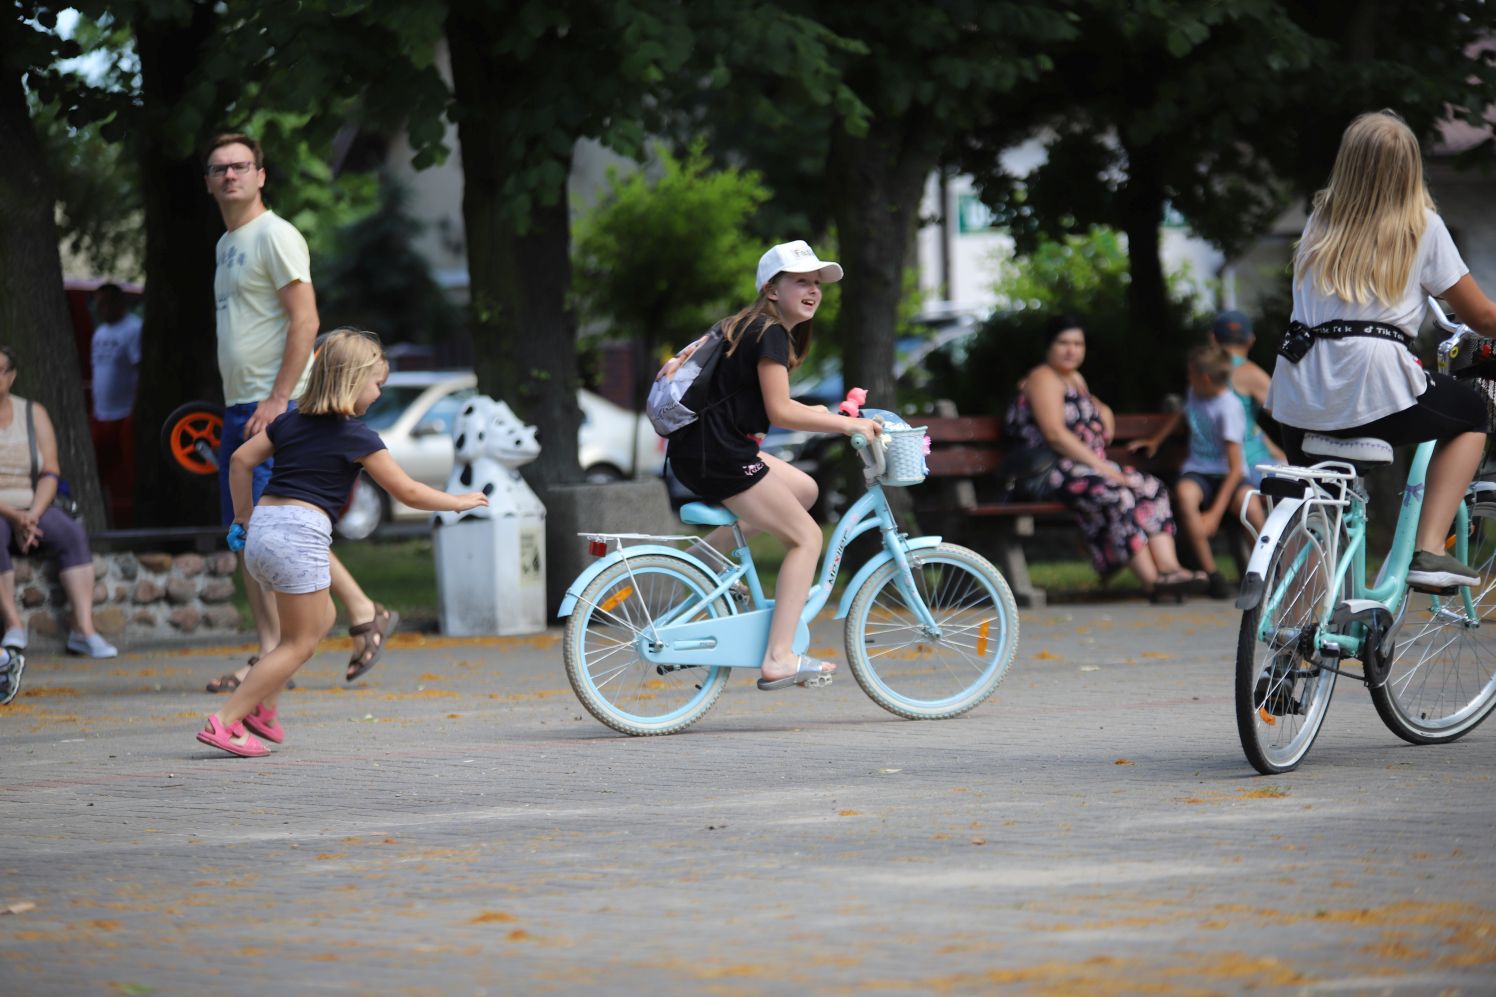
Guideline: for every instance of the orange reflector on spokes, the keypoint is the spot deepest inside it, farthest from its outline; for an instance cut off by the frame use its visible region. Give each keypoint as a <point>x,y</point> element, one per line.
<point>612,602</point>
<point>1267,717</point>
<point>982,638</point>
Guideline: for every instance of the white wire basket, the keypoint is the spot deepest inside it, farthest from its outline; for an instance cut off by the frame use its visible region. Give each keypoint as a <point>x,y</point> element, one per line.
<point>904,456</point>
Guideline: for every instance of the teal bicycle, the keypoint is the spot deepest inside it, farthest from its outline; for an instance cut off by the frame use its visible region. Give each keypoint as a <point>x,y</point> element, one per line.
<point>653,631</point>
<point>1428,659</point>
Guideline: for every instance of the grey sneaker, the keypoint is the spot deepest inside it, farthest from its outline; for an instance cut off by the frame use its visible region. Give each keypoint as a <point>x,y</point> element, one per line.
<point>91,645</point>
<point>1437,572</point>
<point>10,675</point>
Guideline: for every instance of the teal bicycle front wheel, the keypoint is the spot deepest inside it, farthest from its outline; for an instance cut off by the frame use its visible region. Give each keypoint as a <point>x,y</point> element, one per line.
<point>1282,690</point>
<point>615,612</point>
<point>930,673</point>
<point>1441,681</point>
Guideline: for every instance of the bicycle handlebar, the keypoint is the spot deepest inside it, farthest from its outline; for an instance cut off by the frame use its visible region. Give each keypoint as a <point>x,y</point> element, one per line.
<point>872,455</point>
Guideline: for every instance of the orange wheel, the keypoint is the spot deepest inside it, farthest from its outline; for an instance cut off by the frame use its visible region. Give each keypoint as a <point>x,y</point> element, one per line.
<point>191,437</point>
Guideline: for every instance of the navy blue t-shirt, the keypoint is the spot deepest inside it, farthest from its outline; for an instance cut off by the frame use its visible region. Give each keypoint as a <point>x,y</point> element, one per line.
<point>316,458</point>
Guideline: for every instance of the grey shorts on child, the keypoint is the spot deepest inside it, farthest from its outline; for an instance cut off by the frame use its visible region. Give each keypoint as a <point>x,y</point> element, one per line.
<point>286,550</point>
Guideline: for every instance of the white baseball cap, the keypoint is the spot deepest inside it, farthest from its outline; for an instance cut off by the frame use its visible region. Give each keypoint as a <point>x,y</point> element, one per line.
<point>795,257</point>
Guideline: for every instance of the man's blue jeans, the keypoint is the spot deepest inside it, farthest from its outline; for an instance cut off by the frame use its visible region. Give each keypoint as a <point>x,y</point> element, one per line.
<point>234,419</point>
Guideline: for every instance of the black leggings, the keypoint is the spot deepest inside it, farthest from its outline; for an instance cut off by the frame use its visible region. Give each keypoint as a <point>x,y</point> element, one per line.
<point>1447,409</point>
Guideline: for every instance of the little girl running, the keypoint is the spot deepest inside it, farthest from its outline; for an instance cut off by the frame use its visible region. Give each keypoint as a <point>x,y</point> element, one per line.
<point>319,450</point>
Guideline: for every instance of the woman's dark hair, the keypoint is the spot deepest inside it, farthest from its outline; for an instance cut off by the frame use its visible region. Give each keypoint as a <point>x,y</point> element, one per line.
<point>1059,324</point>
<point>9,355</point>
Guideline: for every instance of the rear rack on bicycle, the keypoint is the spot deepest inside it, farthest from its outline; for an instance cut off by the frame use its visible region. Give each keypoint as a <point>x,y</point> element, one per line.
<point>601,543</point>
<point>1328,484</point>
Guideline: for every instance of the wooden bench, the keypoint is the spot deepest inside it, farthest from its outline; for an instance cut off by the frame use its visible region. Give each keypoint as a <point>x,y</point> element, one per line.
<point>966,452</point>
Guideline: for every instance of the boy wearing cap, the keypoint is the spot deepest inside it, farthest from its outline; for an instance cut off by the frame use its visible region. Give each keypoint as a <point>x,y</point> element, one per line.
<point>718,457</point>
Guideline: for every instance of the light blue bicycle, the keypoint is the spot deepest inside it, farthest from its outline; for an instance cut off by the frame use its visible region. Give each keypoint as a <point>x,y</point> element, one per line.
<point>1428,659</point>
<point>652,631</point>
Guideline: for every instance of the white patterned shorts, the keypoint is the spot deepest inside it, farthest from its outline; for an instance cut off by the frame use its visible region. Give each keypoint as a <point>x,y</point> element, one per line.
<point>286,550</point>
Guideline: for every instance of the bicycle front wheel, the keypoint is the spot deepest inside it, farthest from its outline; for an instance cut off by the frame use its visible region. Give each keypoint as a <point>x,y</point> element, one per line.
<point>931,673</point>
<point>615,613</point>
<point>1282,693</point>
<point>1441,682</point>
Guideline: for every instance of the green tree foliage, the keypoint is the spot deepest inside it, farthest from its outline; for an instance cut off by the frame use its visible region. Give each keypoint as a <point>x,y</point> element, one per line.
<point>1222,111</point>
<point>530,78</point>
<point>925,73</point>
<point>660,259</point>
<point>374,279</point>
<point>1086,276</point>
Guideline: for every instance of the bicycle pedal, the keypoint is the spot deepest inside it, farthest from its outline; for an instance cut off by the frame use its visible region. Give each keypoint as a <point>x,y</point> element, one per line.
<point>817,681</point>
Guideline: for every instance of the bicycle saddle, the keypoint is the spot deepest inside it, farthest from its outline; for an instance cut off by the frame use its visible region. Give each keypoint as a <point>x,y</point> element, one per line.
<point>1359,451</point>
<point>701,514</point>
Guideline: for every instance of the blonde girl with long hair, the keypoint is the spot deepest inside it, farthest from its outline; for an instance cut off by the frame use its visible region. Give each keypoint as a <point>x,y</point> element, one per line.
<point>319,449</point>
<point>1373,247</point>
<point>718,456</point>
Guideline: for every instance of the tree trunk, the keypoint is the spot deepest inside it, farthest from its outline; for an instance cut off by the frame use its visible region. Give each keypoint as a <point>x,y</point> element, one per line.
<point>875,183</point>
<point>1147,294</point>
<point>179,355</point>
<point>524,331</point>
<point>33,310</point>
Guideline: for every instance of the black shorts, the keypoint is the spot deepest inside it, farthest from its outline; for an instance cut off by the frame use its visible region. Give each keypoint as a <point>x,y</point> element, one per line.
<point>1209,485</point>
<point>1447,409</point>
<point>716,477</point>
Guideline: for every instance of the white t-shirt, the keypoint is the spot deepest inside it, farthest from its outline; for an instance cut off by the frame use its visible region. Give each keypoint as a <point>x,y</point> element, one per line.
<point>255,261</point>
<point>1343,383</point>
<point>1214,422</point>
<point>116,361</point>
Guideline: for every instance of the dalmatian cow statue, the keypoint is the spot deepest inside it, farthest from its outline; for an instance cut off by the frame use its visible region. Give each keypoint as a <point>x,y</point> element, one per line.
<point>489,442</point>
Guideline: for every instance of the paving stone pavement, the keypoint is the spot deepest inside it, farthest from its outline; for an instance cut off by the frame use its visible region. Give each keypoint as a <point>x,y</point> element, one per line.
<point>456,824</point>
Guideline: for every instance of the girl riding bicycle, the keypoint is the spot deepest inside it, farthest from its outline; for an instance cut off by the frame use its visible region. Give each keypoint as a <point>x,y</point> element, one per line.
<point>1372,248</point>
<point>718,457</point>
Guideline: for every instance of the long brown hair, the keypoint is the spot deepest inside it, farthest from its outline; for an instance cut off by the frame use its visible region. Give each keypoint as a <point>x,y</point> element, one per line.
<point>1363,234</point>
<point>758,316</point>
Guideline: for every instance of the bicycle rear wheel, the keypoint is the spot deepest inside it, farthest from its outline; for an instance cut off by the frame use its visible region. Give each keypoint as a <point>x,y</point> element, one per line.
<point>615,611</point>
<point>1441,682</point>
<point>923,674</point>
<point>1282,693</point>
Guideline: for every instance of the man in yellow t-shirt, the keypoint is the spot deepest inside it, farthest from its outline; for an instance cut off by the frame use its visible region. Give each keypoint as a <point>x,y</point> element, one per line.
<point>267,322</point>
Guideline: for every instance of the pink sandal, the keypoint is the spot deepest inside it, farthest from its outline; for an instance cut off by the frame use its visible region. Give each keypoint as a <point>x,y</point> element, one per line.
<point>263,722</point>
<point>221,737</point>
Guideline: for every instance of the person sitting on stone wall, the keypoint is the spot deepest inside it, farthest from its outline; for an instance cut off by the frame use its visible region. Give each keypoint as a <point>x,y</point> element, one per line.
<point>31,523</point>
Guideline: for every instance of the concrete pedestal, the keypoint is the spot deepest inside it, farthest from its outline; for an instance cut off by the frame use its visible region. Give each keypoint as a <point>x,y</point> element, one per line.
<point>490,575</point>
<point>641,506</point>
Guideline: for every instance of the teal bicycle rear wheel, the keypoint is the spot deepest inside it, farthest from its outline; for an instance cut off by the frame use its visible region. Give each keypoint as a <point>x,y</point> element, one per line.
<point>923,674</point>
<point>1441,682</point>
<point>1282,692</point>
<point>614,613</point>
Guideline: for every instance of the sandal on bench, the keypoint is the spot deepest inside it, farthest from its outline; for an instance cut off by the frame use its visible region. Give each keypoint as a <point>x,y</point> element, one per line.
<point>369,640</point>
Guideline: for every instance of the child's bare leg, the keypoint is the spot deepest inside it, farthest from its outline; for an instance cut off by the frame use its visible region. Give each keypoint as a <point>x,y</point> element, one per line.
<point>305,620</point>
<point>1189,498</point>
<point>773,505</point>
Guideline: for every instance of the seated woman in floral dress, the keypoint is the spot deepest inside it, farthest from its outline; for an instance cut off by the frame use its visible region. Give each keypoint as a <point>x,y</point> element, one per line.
<point>1124,514</point>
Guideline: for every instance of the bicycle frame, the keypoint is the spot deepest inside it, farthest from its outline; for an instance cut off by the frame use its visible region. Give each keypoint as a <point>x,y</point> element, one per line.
<point>740,640</point>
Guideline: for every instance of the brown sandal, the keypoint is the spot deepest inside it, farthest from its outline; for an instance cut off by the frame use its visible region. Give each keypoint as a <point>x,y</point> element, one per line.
<point>228,681</point>
<point>373,634</point>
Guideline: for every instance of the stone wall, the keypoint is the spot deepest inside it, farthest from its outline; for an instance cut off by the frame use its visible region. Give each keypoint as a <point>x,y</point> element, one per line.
<point>145,598</point>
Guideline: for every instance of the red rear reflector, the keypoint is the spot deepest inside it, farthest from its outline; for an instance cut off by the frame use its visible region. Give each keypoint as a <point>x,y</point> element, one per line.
<point>597,548</point>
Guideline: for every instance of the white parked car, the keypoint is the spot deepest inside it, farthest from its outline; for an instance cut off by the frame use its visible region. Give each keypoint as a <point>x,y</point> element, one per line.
<point>414,416</point>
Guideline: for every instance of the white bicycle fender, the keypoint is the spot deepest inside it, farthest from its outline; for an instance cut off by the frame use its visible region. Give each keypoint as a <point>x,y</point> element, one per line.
<point>1285,511</point>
